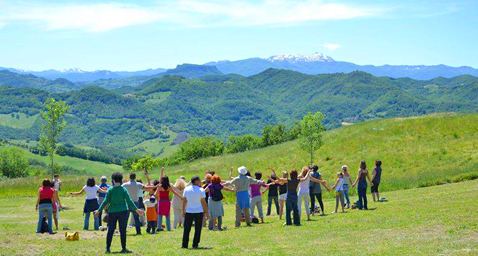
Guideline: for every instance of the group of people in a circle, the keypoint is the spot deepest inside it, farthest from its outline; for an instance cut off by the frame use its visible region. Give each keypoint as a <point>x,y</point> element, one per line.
<point>197,201</point>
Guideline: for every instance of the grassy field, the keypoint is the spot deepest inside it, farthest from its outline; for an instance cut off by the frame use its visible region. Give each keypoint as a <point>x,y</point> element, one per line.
<point>157,146</point>
<point>18,120</point>
<point>439,220</point>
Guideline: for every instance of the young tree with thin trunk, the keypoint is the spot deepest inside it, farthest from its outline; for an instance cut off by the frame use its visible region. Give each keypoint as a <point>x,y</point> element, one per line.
<point>310,136</point>
<point>54,120</point>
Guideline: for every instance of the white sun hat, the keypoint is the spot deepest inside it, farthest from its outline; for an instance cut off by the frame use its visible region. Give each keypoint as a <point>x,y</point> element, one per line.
<point>242,170</point>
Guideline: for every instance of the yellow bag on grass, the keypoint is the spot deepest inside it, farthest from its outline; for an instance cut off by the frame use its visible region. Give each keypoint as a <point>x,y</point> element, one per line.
<point>72,236</point>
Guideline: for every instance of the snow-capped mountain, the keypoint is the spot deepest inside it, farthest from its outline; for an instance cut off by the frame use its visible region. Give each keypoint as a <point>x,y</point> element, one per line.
<point>319,63</point>
<point>297,58</point>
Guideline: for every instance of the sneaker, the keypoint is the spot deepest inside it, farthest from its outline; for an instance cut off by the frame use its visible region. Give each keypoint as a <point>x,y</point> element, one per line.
<point>107,251</point>
<point>333,212</point>
<point>52,233</point>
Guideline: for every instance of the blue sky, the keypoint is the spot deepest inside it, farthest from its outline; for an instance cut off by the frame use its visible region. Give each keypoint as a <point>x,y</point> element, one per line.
<point>135,35</point>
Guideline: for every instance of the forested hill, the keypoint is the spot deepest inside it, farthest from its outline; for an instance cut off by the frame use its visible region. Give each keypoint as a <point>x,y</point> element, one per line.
<point>231,104</point>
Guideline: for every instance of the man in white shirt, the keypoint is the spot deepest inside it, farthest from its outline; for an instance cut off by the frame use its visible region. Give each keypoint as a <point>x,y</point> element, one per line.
<point>194,208</point>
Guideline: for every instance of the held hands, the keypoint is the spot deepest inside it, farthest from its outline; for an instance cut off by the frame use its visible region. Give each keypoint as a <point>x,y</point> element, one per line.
<point>36,207</point>
<point>139,212</point>
<point>207,216</point>
<point>96,214</point>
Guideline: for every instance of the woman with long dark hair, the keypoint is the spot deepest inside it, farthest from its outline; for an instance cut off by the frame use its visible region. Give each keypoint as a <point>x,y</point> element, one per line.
<point>292,204</point>
<point>362,177</point>
<point>119,204</point>
<point>164,203</point>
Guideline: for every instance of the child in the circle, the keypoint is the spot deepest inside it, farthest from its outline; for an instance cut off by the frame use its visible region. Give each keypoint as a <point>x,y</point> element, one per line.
<point>151,215</point>
<point>339,192</point>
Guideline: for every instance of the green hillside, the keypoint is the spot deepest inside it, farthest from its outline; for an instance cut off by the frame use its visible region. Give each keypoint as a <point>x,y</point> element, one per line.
<point>417,151</point>
<point>225,105</point>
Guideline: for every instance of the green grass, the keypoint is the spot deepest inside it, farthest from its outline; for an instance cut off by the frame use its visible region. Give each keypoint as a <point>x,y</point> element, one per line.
<point>22,122</point>
<point>439,220</point>
<point>414,151</point>
<point>157,97</point>
<point>157,146</point>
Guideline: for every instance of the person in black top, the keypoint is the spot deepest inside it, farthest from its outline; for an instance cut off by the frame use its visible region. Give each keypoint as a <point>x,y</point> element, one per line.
<point>282,194</point>
<point>272,195</point>
<point>292,198</point>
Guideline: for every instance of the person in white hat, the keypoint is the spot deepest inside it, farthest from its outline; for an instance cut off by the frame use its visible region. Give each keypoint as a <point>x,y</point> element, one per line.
<point>241,187</point>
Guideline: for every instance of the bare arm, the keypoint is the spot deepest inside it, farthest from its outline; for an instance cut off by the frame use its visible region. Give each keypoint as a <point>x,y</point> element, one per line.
<point>336,183</point>
<point>147,176</point>
<point>368,177</point>
<point>228,189</point>
<point>358,177</point>
<point>204,207</point>
<point>57,198</point>
<point>77,193</point>
<point>173,189</point>
<point>162,173</point>
<point>38,202</point>
<point>185,202</point>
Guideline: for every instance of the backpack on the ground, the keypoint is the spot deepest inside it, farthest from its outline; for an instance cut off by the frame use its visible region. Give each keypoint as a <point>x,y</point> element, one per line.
<point>255,220</point>
<point>216,195</point>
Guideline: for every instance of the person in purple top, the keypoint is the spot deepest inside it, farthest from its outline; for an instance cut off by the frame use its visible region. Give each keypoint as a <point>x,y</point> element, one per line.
<point>215,207</point>
<point>256,197</point>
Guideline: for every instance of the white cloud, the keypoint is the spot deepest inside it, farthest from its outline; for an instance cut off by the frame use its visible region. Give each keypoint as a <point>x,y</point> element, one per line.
<point>183,13</point>
<point>330,46</point>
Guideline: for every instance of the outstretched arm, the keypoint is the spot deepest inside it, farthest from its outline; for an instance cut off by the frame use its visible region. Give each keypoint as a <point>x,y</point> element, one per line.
<point>147,176</point>
<point>77,193</point>
<point>162,173</point>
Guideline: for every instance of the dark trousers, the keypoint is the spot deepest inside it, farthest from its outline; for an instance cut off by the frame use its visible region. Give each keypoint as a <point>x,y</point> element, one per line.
<point>188,223</point>
<point>122,219</point>
<point>362,194</point>
<point>151,227</point>
<point>312,201</point>
<point>291,205</point>
<point>269,204</point>
<point>137,222</point>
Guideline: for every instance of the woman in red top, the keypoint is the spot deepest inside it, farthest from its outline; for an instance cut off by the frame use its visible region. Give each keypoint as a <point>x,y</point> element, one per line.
<point>46,199</point>
<point>164,204</point>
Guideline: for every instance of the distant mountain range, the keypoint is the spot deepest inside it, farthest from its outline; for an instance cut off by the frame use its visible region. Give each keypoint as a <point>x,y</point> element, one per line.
<point>58,85</point>
<point>318,63</point>
<point>78,75</point>
<point>313,64</point>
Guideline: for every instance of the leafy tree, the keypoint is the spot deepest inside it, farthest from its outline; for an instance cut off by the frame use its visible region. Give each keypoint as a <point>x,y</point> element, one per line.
<point>13,163</point>
<point>146,161</point>
<point>243,143</point>
<point>54,124</point>
<point>311,129</point>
